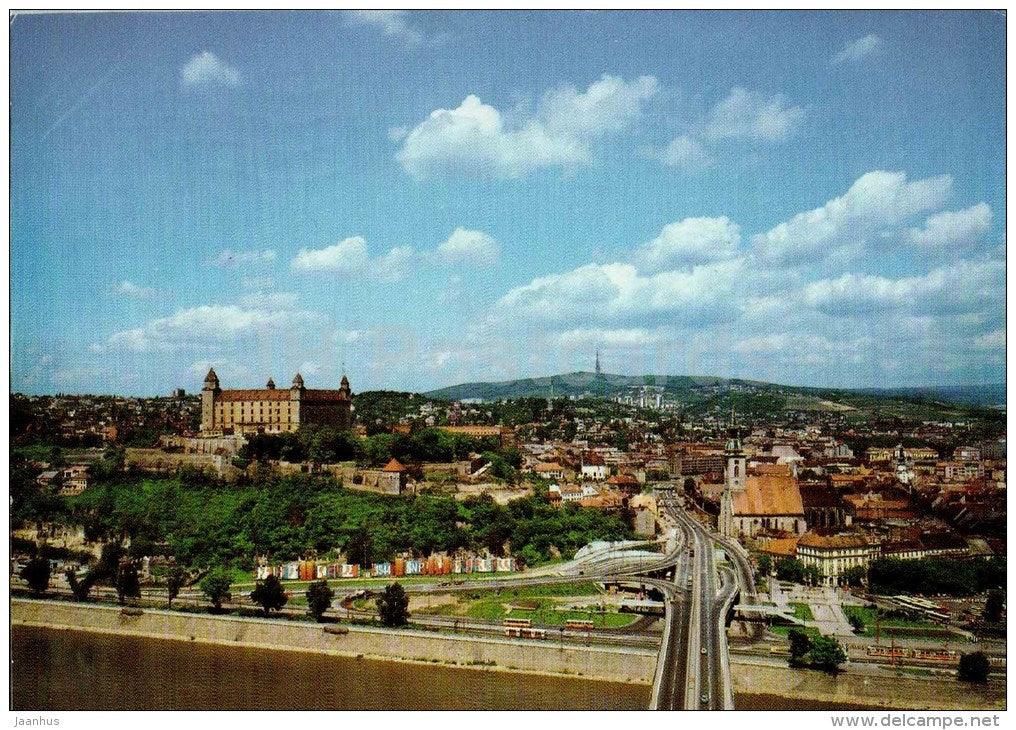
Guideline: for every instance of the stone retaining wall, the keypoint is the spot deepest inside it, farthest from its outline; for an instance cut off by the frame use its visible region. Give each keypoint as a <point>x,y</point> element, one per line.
<point>541,657</point>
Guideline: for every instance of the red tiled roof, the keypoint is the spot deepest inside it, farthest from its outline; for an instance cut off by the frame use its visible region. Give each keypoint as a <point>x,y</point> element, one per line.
<point>268,394</point>
<point>394,466</point>
<point>831,542</point>
<point>769,494</point>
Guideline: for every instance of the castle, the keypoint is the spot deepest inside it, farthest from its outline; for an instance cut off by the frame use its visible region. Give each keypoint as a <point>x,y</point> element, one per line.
<point>270,410</point>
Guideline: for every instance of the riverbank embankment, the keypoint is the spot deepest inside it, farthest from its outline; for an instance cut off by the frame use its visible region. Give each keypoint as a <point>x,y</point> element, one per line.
<point>614,664</point>
<point>633,665</point>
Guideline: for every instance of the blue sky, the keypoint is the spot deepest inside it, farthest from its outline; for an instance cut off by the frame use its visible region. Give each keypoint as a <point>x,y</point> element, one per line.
<point>435,197</point>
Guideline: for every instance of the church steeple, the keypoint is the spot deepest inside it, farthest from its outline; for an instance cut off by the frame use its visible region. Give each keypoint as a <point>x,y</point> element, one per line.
<point>734,454</point>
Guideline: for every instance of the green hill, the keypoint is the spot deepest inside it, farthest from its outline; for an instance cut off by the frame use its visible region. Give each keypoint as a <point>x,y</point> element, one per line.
<point>573,384</point>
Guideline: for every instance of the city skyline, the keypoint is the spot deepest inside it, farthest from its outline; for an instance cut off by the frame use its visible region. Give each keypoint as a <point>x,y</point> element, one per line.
<point>428,198</point>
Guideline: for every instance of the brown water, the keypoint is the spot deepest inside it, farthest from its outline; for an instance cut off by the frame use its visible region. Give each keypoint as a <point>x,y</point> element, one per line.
<point>73,670</point>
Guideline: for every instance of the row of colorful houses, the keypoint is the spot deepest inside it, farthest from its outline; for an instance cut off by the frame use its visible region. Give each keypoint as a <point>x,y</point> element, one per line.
<point>311,570</point>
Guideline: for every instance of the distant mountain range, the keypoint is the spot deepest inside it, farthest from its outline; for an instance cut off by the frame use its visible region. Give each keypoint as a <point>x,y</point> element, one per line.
<point>586,384</point>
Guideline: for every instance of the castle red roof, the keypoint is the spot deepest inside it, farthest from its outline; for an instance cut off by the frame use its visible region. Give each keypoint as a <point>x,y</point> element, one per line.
<point>306,396</point>
<point>394,465</point>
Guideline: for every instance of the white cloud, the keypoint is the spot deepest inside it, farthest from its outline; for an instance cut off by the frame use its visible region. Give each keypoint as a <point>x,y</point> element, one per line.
<point>308,367</point>
<point>471,247</point>
<point>271,300</point>
<point>952,230</point>
<point>610,294</point>
<point>475,139</point>
<point>687,154</point>
<point>608,105</point>
<point>966,286</point>
<point>134,291</point>
<point>210,326</point>
<point>750,115</point>
<point>690,242</point>
<point>994,340</point>
<point>859,49</point>
<point>876,203</point>
<point>227,258</point>
<point>391,22</point>
<point>350,256</point>
<point>585,337</point>
<point>206,69</point>
<point>394,265</point>
<point>347,256</point>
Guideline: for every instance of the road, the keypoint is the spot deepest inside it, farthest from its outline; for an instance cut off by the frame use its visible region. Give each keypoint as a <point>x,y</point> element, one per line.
<point>695,660</point>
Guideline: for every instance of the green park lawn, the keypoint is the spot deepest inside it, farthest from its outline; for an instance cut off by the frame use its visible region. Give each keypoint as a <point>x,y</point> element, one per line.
<point>867,615</point>
<point>802,611</point>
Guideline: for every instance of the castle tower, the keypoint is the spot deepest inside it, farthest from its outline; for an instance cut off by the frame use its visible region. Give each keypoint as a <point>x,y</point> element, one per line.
<point>271,384</point>
<point>209,393</point>
<point>346,415</point>
<point>295,396</point>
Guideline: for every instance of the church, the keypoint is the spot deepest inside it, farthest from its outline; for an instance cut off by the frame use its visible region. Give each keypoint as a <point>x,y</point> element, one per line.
<point>767,500</point>
<point>270,410</point>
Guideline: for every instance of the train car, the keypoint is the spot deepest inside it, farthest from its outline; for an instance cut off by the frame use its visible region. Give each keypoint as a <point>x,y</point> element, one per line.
<point>579,624</point>
<point>935,655</point>
<point>887,652</point>
<point>517,622</point>
<point>524,633</point>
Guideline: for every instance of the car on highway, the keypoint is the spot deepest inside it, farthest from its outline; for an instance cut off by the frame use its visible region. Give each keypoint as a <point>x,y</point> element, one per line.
<point>705,698</point>
<point>704,651</point>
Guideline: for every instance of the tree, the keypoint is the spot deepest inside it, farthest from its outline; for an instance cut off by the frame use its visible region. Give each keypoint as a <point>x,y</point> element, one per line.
<point>36,572</point>
<point>80,588</point>
<point>319,598</point>
<point>993,606</point>
<point>827,654</point>
<point>800,645</point>
<point>269,594</point>
<point>108,566</point>
<point>216,586</point>
<point>393,606</point>
<point>812,575</point>
<point>765,564</point>
<point>856,622</point>
<point>855,576</point>
<point>974,667</point>
<point>174,582</point>
<point>128,584</point>
<point>790,569</point>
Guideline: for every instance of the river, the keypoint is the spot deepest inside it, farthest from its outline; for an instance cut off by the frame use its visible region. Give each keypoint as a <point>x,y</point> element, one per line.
<point>73,670</point>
